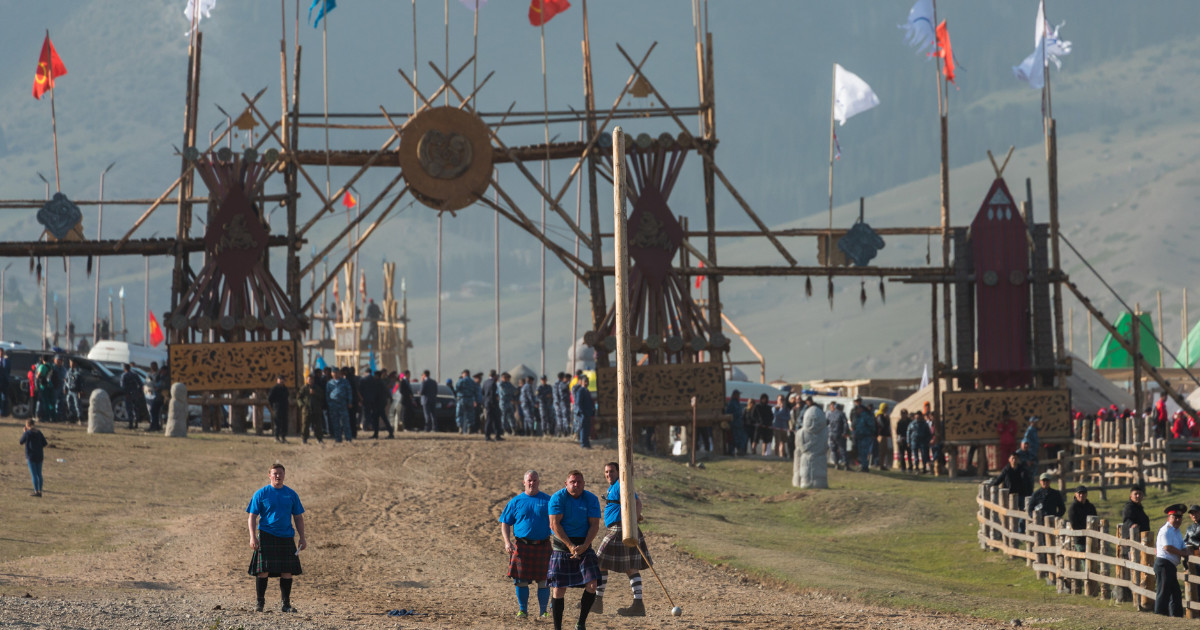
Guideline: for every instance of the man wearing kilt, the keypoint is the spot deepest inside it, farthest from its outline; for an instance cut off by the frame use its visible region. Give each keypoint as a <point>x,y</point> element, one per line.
<point>271,538</point>
<point>614,555</point>
<point>574,521</point>
<point>527,518</point>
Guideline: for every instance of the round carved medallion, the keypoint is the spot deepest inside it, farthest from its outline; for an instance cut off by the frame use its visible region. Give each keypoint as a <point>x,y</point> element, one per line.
<point>445,156</point>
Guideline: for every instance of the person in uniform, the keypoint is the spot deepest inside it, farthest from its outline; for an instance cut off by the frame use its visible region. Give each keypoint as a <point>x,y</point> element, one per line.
<point>1168,551</point>
<point>545,399</point>
<point>901,454</point>
<point>465,394</point>
<point>736,445</point>
<point>530,419</point>
<point>508,403</point>
<point>525,530</point>
<point>278,398</point>
<point>311,400</point>
<point>585,408</point>
<point>490,393</point>
<point>862,422</point>
<point>276,554</point>
<point>562,404</point>
<point>429,392</point>
<point>837,436</point>
<point>614,555</point>
<point>574,522</point>
<point>337,404</point>
<point>919,435</point>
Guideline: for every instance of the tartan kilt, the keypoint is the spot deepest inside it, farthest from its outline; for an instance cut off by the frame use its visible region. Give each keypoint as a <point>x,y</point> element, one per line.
<point>275,555</point>
<point>566,571</point>
<point>530,562</point>
<point>615,556</point>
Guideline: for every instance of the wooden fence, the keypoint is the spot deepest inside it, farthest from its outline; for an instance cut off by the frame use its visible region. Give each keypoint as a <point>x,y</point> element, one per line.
<point>1116,565</point>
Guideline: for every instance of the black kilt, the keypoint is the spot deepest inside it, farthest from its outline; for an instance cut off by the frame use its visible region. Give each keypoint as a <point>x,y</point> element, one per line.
<point>615,556</point>
<point>531,561</point>
<point>275,555</point>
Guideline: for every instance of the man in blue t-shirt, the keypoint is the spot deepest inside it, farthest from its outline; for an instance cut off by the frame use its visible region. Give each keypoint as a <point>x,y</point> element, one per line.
<point>525,529</point>
<point>271,538</point>
<point>574,521</point>
<point>613,554</point>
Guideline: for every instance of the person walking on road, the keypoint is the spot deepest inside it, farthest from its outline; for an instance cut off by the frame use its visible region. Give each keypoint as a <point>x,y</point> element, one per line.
<point>34,443</point>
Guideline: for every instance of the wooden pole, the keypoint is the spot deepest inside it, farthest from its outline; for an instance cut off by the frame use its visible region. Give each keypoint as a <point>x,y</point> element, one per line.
<point>1071,329</point>
<point>1162,355</point>
<point>832,106</point>
<point>49,72</point>
<point>624,352</point>
<point>1136,339</point>
<point>1091,351</point>
<point>598,301</point>
<point>1187,346</point>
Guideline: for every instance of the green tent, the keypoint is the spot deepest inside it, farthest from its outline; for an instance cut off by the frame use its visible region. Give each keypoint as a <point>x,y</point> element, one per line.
<point>1113,356</point>
<point>1189,349</point>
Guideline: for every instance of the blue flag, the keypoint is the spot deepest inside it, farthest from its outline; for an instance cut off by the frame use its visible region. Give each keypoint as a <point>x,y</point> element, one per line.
<point>371,361</point>
<point>326,7</point>
<point>319,364</point>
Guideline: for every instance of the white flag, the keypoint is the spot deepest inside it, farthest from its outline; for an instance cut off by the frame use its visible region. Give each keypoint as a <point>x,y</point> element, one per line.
<point>196,9</point>
<point>924,378</point>
<point>851,95</point>
<point>919,31</point>
<point>1047,49</point>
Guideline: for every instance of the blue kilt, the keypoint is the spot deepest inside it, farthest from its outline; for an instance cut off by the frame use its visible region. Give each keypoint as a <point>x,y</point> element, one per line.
<point>566,571</point>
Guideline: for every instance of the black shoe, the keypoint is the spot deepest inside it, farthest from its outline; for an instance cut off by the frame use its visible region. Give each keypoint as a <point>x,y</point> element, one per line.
<point>391,436</point>
<point>287,608</point>
<point>488,440</point>
<point>259,606</point>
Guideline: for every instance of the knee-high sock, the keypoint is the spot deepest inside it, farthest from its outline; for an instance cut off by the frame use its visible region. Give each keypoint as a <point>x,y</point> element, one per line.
<point>523,596</point>
<point>543,595</point>
<point>260,587</point>
<point>556,608</point>
<point>635,583</point>
<point>285,590</point>
<point>602,584</point>
<point>585,606</point>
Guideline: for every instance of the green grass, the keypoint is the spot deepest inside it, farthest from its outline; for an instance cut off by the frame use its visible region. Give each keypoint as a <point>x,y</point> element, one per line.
<point>885,538</point>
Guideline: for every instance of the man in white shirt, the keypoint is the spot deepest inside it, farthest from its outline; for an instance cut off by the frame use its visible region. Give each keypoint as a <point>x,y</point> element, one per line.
<point>1169,551</point>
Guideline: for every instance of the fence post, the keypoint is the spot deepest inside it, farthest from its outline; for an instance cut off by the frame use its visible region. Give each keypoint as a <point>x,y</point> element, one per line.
<point>1166,455</point>
<point>1148,579</point>
<point>1062,471</point>
<point>1121,593</point>
<point>1039,540</point>
<point>1103,477</point>
<point>1105,567</point>
<point>1191,591</point>
<point>1090,586</point>
<point>1060,585</point>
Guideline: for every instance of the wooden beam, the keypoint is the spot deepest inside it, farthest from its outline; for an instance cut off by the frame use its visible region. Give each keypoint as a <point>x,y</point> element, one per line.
<point>144,247</point>
<point>707,155</point>
<point>767,270</point>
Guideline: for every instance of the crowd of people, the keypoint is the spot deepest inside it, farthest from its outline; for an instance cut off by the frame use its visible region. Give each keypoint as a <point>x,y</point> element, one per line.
<point>338,403</point>
<point>857,440</point>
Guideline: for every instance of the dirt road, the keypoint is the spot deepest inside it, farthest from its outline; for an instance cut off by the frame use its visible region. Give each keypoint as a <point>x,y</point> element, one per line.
<point>140,531</point>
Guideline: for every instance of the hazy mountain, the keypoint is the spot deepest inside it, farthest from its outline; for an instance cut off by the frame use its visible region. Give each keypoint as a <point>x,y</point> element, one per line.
<point>1124,101</point>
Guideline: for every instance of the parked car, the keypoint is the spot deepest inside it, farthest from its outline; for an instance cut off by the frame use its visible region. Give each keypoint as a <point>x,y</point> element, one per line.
<point>443,410</point>
<point>95,375</point>
<point>120,352</point>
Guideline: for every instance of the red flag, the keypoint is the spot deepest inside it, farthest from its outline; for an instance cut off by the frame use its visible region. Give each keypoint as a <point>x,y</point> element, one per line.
<point>156,333</point>
<point>699,279</point>
<point>542,11</point>
<point>944,51</point>
<point>49,68</point>
<point>349,200</point>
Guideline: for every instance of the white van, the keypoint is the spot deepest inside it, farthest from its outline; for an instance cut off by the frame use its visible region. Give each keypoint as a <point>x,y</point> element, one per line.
<point>122,352</point>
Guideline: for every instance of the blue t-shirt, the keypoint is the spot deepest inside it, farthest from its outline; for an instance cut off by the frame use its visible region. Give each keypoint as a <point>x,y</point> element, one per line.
<point>529,516</point>
<point>575,512</point>
<point>275,509</point>
<point>612,507</point>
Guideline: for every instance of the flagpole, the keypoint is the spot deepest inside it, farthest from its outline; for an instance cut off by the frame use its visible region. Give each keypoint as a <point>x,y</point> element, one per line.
<point>53,117</point>
<point>545,175</point>
<point>1052,184</point>
<point>832,105</point>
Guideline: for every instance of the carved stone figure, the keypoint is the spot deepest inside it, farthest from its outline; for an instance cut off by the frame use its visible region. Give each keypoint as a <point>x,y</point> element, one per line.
<point>809,465</point>
<point>100,412</point>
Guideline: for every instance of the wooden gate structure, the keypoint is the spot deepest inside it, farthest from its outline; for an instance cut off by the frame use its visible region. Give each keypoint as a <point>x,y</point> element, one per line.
<point>447,158</point>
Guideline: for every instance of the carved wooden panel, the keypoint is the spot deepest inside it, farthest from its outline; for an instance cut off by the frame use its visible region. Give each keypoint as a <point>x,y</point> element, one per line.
<point>664,388</point>
<point>974,415</point>
<point>234,366</point>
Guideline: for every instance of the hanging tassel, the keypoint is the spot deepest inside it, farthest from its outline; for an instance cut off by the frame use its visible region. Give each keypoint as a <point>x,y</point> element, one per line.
<point>862,293</point>
<point>928,238</point>
<point>39,273</point>
<point>31,264</point>
<point>89,266</point>
<point>882,292</point>
<point>831,293</point>
<point>807,287</point>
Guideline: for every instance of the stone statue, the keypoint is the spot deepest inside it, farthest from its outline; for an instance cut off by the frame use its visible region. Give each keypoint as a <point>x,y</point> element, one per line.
<point>100,412</point>
<point>177,411</point>
<point>809,465</point>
